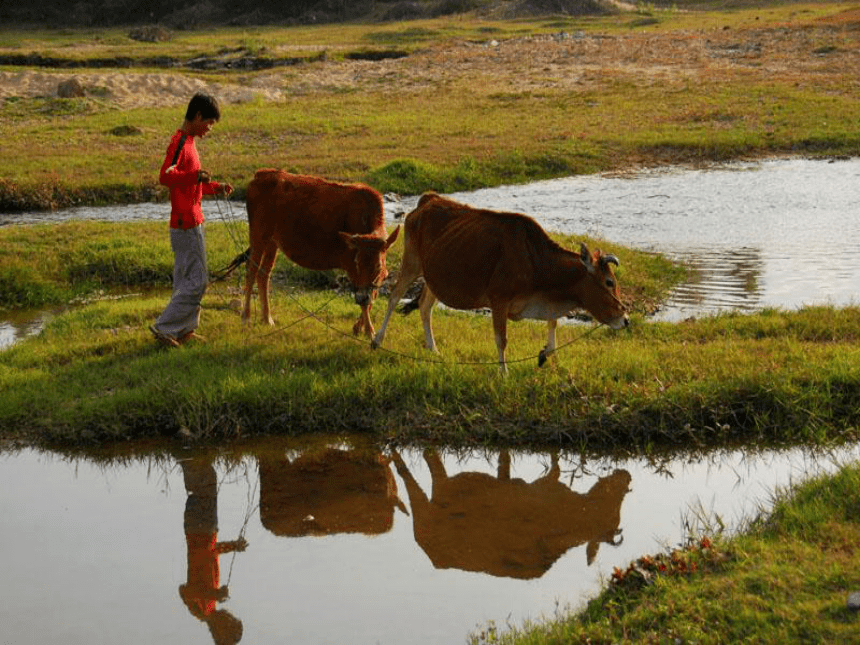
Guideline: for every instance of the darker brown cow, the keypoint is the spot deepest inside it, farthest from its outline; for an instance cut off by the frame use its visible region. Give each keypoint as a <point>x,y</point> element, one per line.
<point>472,258</point>
<point>319,225</point>
<point>508,527</point>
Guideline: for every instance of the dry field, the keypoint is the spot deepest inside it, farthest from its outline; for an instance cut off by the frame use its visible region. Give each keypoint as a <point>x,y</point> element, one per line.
<point>817,52</point>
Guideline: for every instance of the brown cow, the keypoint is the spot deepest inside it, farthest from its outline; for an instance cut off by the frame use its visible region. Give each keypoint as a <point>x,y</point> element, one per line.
<point>473,258</point>
<point>319,225</point>
<point>508,527</point>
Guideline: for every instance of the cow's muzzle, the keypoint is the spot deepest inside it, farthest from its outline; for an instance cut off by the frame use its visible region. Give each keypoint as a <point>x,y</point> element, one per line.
<point>363,297</point>
<point>622,322</point>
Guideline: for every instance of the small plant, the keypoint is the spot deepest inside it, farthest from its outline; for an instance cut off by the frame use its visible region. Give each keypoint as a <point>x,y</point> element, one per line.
<point>699,555</point>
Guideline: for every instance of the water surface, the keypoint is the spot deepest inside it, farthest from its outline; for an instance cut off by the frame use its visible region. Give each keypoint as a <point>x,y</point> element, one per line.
<point>339,544</point>
<point>770,234</point>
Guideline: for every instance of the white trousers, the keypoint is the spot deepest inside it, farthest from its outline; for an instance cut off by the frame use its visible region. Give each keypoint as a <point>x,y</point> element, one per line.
<point>190,279</point>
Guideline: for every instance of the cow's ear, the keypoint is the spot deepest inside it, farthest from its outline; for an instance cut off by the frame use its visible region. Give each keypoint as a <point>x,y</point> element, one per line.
<point>348,239</point>
<point>585,257</point>
<point>392,237</point>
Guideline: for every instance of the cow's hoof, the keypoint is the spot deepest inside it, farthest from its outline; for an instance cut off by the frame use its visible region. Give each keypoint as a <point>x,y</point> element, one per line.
<point>542,357</point>
<point>374,344</point>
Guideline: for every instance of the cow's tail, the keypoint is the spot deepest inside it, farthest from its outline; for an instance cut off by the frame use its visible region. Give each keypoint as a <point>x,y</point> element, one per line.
<point>408,307</point>
<point>238,261</point>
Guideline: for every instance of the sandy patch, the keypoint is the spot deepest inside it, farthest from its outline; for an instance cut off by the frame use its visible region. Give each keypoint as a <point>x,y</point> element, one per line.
<point>128,89</point>
<point>562,61</point>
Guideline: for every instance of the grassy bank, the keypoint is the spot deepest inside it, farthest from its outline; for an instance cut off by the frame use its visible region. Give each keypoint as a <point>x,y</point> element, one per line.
<point>784,579</point>
<point>96,375</point>
<point>305,360</point>
<point>475,102</point>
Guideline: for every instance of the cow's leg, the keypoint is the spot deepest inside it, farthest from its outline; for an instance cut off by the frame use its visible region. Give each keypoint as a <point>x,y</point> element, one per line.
<point>264,279</point>
<point>500,327</point>
<point>250,277</point>
<point>399,290</point>
<point>548,351</point>
<point>425,307</point>
<point>438,475</point>
<point>410,271</point>
<point>363,322</point>
<point>418,499</point>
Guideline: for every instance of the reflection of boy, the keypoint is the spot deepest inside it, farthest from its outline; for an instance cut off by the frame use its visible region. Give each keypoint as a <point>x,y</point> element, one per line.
<point>202,590</point>
<point>182,173</point>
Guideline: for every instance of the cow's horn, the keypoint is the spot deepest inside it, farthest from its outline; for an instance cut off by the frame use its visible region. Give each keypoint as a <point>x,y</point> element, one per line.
<point>609,259</point>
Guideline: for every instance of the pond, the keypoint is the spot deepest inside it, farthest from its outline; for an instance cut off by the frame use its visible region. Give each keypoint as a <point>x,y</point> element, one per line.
<point>331,542</point>
<point>338,543</point>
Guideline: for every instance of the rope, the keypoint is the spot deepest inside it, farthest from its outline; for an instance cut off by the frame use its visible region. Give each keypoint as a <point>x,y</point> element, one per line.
<point>232,223</point>
<point>541,356</point>
<point>249,512</point>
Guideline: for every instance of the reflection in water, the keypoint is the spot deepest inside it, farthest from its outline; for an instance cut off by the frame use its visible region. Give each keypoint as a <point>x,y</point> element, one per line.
<point>407,577</point>
<point>500,525</point>
<point>21,324</point>
<point>327,492</point>
<point>721,281</point>
<point>508,527</point>
<point>202,589</point>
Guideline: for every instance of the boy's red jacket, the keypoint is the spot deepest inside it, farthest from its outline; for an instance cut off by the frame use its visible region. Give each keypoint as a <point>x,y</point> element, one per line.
<point>180,177</point>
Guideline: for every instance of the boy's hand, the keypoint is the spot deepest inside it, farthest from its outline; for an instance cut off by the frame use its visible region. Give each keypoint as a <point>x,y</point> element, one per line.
<point>202,177</point>
<point>225,189</point>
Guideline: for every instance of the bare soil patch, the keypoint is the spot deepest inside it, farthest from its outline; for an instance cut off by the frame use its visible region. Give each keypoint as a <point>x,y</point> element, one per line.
<point>814,52</point>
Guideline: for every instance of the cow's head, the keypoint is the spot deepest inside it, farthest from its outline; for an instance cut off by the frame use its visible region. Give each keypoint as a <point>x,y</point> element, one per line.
<point>600,294</point>
<point>369,270</point>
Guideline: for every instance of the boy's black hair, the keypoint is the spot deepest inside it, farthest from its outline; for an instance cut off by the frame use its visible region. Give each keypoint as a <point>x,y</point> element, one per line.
<point>206,105</point>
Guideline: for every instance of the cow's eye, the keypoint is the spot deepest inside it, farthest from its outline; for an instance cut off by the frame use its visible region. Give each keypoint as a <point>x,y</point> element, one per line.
<point>610,283</point>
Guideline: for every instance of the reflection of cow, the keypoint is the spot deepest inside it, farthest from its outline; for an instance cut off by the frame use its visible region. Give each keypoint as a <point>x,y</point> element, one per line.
<point>509,527</point>
<point>326,492</point>
<point>319,225</point>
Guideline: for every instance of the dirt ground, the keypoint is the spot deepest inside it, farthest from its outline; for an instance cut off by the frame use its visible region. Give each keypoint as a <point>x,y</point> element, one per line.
<point>574,61</point>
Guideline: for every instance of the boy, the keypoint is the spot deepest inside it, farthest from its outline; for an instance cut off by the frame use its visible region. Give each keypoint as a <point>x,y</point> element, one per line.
<point>188,182</point>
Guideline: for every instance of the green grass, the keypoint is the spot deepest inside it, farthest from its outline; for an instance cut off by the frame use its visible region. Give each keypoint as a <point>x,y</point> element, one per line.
<point>784,579</point>
<point>470,131</point>
<point>95,374</point>
<point>102,343</point>
<point>417,143</point>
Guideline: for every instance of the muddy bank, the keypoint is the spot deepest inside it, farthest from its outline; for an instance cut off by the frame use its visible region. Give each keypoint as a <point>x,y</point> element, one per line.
<point>236,60</point>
